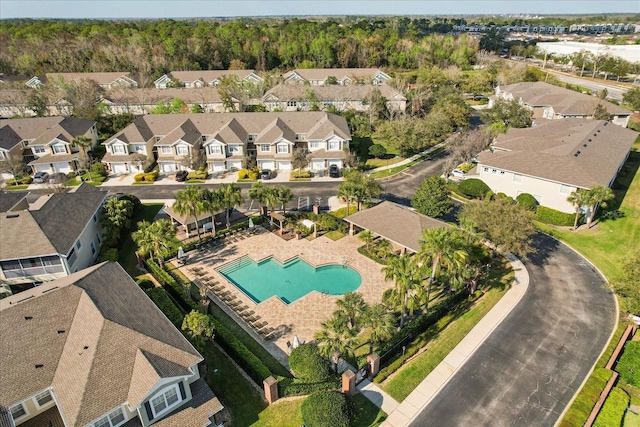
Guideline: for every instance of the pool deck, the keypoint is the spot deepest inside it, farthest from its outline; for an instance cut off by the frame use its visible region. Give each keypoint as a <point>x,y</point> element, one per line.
<point>301,318</point>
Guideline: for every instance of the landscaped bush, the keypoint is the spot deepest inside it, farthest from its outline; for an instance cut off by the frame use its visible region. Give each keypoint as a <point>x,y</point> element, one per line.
<point>145,284</point>
<point>490,195</point>
<point>162,300</point>
<point>137,204</point>
<point>554,217</point>
<point>293,387</point>
<point>109,254</point>
<point>327,409</point>
<point>243,174</point>
<point>628,365</point>
<point>308,364</point>
<point>139,177</point>
<point>613,410</point>
<point>99,169</point>
<point>151,176</point>
<point>527,201</point>
<point>473,187</point>
<point>199,174</point>
<point>300,174</point>
<point>253,175</point>
<point>71,175</point>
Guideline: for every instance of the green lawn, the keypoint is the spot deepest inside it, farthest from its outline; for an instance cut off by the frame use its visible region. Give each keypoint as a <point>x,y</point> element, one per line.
<point>287,413</point>
<point>447,333</point>
<point>127,257</point>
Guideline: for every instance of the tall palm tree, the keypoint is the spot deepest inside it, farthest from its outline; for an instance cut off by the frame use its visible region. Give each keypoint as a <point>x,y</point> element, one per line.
<point>405,272</point>
<point>441,247</point>
<point>598,196</point>
<point>191,201</point>
<point>155,239</point>
<point>284,196</point>
<point>578,198</point>
<point>271,198</point>
<point>335,339</point>
<point>229,196</point>
<point>257,192</point>
<point>348,191</point>
<point>84,143</point>
<point>381,323</point>
<point>353,306</point>
<point>366,236</point>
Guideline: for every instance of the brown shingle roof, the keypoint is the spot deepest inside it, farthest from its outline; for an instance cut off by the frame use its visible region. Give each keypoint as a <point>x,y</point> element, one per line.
<point>284,92</point>
<point>151,96</point>
<point>548,151</point>
<point>395,223</point>
<point>102,78</point>
<point>338,73</point>
<point>208,76</point>
<point>34,127</point>
<point>10,199</point>
<point>23,237</point>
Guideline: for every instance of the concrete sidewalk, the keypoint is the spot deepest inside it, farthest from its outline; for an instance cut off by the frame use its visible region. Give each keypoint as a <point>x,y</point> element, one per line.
<point>402,414</point>
<point>410,159</point>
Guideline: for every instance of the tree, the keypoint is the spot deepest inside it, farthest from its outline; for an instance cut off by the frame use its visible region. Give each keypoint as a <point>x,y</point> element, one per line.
<point>377,151</point>
<point>432,198</point>
<point>405,272</point>
<point>601,113</point>
<point>363,188</point>
<point>117,213</point>
<point>627,286</point>
<point>308,364</point>
<point>353,306</point>
<point>441,247</point>
<point>507,225</point>
<point>38,102</point>
<point>83,96</point>
<point>258,193</point>
<point>326,408</point>
<point>508,113</point>
<point>381,323</point>
<point>12,164</point>
<point>229,196</point>
<point>632,97</point>
<point>84,143</point>
<point>300,158</point>
<point>284,195</point>
<point>271,198</point>
<point>155,239</point>
<point>578,198</point>
<point>597,196</point>
<point>335,338</point>
<point>191,201</point>
<point>366,236</point>
<point>198,326</point>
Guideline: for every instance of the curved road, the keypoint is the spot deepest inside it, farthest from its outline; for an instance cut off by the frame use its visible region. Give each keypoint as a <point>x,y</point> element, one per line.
<point>530,367</point>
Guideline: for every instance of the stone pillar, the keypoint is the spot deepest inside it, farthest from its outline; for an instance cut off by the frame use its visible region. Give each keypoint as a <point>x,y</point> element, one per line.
<point>316,209</point>
<point>352,230</point>
<point>348,382</point>
<point>270,389</point>
<point>374,363</point>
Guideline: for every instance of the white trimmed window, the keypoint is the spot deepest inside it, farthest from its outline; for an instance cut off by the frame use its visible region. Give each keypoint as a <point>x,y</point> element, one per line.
<point>233,149</point>
<point>78,245</point>
<point>314,145</point>
<point>182,150</point>
<point>265,148</point>
<point>334,145</point>
<point>565,189</point>
<point>59,149</point>
<point>18,411</point>
<point>165,149</point>
<point>282,148</point>
<point>215,149</point>
<point>38,149</point>
<point>118,149</point>
<point>517,178</point>
<point>43,398</point>
<point>139,148</point>
<point>113,419</point>
<point>166,400</point>
<point>252,137</point>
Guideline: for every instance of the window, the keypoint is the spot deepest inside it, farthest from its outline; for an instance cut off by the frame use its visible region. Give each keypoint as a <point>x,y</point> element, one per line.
<point>292,104</point>
<point>282,148</point>
<point>165,149</point>
<point>215,149</point>
<point>59,149</point>
<point>71,258</point>
<point>38,149</point>
<point>517,178</point>
<point>44,398</point>
<point>182,150</point>
<point>93,248</point>
<point>95,217</point>
<point>301,136</point>
<point>159,137</point>
<point>485,169</point>
<point>118,149</point>
<point>139,148</point>
<point>252,137</point>
<point>233,149</point>
<point>113,419</point>
<point>204,138</point>
<point>78,245</point>
<point>165,401</point>
<point>314,144</point>
<point>334,145</point>
<point>18,411</point>
<point>565,189</point>
<point>265,148</point>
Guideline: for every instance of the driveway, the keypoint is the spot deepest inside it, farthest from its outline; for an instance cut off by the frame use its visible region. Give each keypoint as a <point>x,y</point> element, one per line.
<point>529,368</point>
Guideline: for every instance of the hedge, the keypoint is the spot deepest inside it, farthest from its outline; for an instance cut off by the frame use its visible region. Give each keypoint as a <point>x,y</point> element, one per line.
<point>327,409</point>
<point>300,174</point>
<point>139,177</point>
<point>554,217</point>
<point>527,201</point>
<point>613,410</point>
<point>628,365</point>
<point>587,397</point>
<point>162,300</point>
<point>200,174</point>
<point>294,387</point>
<point>473,187</point>
<point>308,364</point>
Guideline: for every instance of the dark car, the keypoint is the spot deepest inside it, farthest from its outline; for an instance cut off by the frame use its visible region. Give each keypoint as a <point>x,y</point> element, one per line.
<point>334,171</point>
<point>57,178</point>
<point>266,174</point>
<point>181,176</point>
<point>40,177</point>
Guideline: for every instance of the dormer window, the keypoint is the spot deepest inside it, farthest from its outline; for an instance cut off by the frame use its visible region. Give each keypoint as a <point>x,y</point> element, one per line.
<point>282,148</point>
<point>113,419</point>
<point>59,149</point>
<point>252,137</point>
<point>301,136</point>
<point>215,149</point>
<point>182,150</point>
<point>334,145</point>
<point>118,149</point>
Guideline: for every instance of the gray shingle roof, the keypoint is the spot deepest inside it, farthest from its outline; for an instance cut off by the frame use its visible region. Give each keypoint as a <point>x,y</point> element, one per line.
<point>208,75</point>
<point>549,151</point>
<point>9,199</point>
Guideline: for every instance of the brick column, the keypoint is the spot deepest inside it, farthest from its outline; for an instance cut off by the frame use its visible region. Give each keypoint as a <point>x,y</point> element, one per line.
<point>270,389</point>
<point>374,363</point>
<point>348,382</point>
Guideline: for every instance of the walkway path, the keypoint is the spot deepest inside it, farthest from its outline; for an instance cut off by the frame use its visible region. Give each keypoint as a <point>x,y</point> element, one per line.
<point>412,158</point>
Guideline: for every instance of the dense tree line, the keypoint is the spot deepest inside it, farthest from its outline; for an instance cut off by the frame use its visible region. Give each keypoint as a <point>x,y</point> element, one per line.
<point>152,48</point>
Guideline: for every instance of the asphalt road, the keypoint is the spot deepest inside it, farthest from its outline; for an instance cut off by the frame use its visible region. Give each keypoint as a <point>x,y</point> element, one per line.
<point>530,367</point>
<point>614,92</point>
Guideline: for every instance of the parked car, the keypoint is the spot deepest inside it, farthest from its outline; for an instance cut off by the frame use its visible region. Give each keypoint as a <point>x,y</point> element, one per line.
<point>266,174</point>
<point>334,171</point>
<point>181,176</point>
<point>458,173</point>
<point>40,177</point>
<point>57,178</point>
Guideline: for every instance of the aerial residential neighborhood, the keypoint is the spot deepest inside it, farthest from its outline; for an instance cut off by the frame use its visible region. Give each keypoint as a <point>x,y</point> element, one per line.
<point>276,218</point>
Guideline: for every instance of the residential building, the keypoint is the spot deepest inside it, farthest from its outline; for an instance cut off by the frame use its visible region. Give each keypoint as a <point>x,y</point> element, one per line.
<point>288,97</point>
<point>339,76</point>
<point>45,143</point>
<point>104,80</point>
<point>554,159</point>
<point>227,138</point>
<point>203,78</point>
<point>53,237</point>
<point>91,349</point>
<point>553,102</point>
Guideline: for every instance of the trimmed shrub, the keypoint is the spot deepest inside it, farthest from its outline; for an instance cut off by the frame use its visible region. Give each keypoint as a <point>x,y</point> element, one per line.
<point>164,303</point>
<point>71,175</point>
<point>308,364</point>
<point>99,169</point>
<point>613,410</point>
<point>490,195</point>
<point>137,204</point>
<point>199,174</point>
<point>629,363</point>
<point>243,174</point>
<point>527,201</point>
<point>253,175</point>
<point>139,177</point>
<point>555,217</point>
<point>151,176</point>
<point>473,187</point>
<point>292,387</point>
<point>145,284</point>
<point>327,409</point>
<point>300,174</point>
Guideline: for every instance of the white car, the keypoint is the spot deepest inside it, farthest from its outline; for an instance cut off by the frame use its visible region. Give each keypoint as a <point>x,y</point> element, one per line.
<point>458,173</point>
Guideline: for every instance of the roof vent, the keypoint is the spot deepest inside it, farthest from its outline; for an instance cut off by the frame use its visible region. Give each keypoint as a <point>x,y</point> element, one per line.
<point>28,317</point>
<point>61,331</point>
<point>86,347</point>
<point>577,154</point>
<point>584,145</point>
<point>13,215</point>
<point>598,130</point>
<point>39,365</point>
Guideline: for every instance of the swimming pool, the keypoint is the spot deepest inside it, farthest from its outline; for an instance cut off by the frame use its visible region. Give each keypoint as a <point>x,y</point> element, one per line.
<point>289,281</point>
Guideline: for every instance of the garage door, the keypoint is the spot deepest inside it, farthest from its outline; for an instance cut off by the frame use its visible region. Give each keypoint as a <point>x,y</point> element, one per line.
<point>317,164</point>
<point>234,164</point>
<point>62,167</point>
<point>284,165</point>
<point>336,162</point>
<point>266,164</point>
<point>118,168</point>
<point>42,168</point>
<point>168,167</point>
<point>217,166</point>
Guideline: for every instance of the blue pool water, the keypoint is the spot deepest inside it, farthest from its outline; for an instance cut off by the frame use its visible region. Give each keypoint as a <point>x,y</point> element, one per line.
<point>290,281</point>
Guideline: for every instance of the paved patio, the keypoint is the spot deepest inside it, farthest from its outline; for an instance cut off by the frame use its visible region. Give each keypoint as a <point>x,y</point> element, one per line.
<point>302,317</point>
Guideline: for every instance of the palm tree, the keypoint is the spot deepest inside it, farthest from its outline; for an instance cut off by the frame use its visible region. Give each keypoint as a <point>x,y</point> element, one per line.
<point>229,196</point>
<point>335,339</point>
<point>191,201</point>
<point>598,196</point>
<point>367,237</point>
<point>348,191</point>
<point>271,198</point>
<point>381,323</point>
<point>285,195</point>
<point>578,198</point>
<point>404,271</point>
<point>257,192</point>
<point>155,239</point>
<point>84,143</point>
<point>441,247</point>
<point>353,307</point>
<point>383,249</point>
